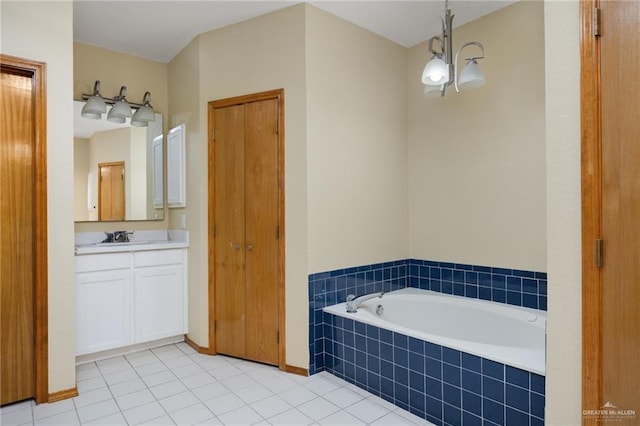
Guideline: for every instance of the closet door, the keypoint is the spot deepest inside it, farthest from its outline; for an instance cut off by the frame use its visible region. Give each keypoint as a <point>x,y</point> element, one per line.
<point>261,221</point>
<point>229,231</point>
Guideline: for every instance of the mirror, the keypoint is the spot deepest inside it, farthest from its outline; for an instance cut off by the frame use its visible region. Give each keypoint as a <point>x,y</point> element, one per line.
<point>118,169</point>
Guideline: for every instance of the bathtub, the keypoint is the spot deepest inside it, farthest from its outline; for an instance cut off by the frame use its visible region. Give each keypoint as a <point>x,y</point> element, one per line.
<point>507,334</point>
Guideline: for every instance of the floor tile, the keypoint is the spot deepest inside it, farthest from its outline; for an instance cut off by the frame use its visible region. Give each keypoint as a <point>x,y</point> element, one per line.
<point>98,410</point>
<point>224,403</point>
<point>253,393</point>
<point>291,417</point>
<point>342,397</point>
<point>167,389</point>
<point>197,380</point>
<point>209,391</point>
<point>127,387</point>
<point>92,397</point>
<point>68,418</point>
<point>16,416</point>
<point>271,406</point>
<point>367,410</point>
<point>342,418</point>
<point>41,411</point>
<point>160,421</point>
<point>178,402</point>
<point>298,395</point>
<point>135,399</point>
<point>116,419</point>
<point>318,408</point>
<point>143,413</point>
<point>91,384</point>
<point>390,419</point>
<point>191,415</point>
<point>241,416</point>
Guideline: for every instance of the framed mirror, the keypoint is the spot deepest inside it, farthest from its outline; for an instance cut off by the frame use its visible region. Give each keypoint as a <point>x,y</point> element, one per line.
<point>118,169</point>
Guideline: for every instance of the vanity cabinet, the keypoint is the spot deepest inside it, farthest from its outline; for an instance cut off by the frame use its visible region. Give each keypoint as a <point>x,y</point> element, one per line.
<point>129,298</point>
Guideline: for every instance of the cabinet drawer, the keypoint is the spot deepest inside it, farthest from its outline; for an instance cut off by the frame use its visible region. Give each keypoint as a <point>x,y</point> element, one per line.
<point>157,257</point>
<point>103,262</point>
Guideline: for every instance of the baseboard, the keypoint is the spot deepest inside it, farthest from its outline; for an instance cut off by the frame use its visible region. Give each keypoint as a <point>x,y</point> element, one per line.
<point>296,370</point>
<point>195,346</point>
<point>63,394</point>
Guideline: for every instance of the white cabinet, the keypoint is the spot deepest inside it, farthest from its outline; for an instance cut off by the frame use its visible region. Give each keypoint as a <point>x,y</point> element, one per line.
<point>129,298</point>
<point>159,298</point>
<point>176,167</point>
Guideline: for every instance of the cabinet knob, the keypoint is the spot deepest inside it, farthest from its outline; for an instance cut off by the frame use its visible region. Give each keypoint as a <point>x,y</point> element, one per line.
<point>237,247</point>
<point>250,247</point>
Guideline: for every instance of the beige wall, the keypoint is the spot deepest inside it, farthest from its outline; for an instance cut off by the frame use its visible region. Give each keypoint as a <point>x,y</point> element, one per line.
<point>356,145</point>
<point>564,324</point>
<point>80,178</point>
<point>42,31</point>
<point>262,54</point>
<point>477,158</point>
<point>114,69</point>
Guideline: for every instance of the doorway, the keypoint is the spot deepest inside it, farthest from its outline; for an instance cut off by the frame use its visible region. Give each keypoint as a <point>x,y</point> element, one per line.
<point>611,209</point>
<point>23,231</point>
<point>246,219</point>
<point>111,201</point>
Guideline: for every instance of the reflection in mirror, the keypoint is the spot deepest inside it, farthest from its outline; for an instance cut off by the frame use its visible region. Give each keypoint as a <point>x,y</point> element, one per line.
<point>117,169</point>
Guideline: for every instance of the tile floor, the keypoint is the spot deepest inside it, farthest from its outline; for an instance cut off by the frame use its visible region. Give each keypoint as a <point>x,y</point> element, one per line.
<point>174,385</point>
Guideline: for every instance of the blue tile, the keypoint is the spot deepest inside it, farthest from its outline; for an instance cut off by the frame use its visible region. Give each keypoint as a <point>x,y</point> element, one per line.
<point>400,341</point>
<point>530,301</point>
<point>451,356</point>
<point>499,296</point>
<point>514,283</point>
<point>471,362</point>
<point>472,403</point>
<point>471,277</point>
<point>499,281</point>
<point>469,419</point>
<point>515,417</point>
<point>458,289</point>
<point>360,342</point>
<point>452,415</point>
<point>484,293</point>
<point>373,383</point>
<point>401,375</point>
<point>447,288</point>
<point>536,422</point>
<point>517,398</point>
<point>417,400</point>
<point>447,265</point>
<point>416,362</point>
<point>416,381</point>
<point>472,381</point>
<point>493,411</point>
<point>493,389</point>
<point>434,407</point>
<point>464,266</point>
<point>514,298</point>
<point>447,274</point>
<point>386,369</point>
<point>361,377</point>
<point>541,275</point>
<point>373,332</point>
<point>386,336</point>
<point>502,271</point>
<point>458,276</point>
<point>401,356</point>
<point>478,268</point>
<point>416,345</point>
<point>435,285</point>
<point>536,405</point>
<point>361,328</point>
<point>452,395</point>
<point>349,339</point>
<point>451,374</point>
<point>433,368</point>
<point>525,274</point>
<point>435,273</point>
<point>386,352</point>
<point>349,354</point>
<point>373,347</point>
<point>542,287</point>
<point>433,351</point>
<point>471,291</point>
<point>492,369</point>
<point>529,285</point>
<point>484,279</point>
<point>538,383</point>
<point>401,395</point>
<point>542,303</point>
<point>386,388</point>
<point>361,358</point>
<point>433,388</point>
<point>373,364</point>
<point>517,377</point>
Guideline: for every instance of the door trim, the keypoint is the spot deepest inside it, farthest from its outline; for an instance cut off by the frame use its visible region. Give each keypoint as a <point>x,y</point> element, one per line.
<point>37,72</point>
<point>277,94</point>
<point>591,177</point>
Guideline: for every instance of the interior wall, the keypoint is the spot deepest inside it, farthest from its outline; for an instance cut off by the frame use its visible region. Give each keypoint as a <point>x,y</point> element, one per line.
<point>43,31</point>
<point>257,55</point>
<point>80,178</point>
<point>477,158</point>
<point>356,145</point>
<point>115,69</point>
<point>564,322</point>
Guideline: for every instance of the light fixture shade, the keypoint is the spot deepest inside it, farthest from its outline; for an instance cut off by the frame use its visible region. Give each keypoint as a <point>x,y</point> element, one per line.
<point>471,76</point>
<point>121,110</point>
<point>436,72</point>
<point>433,91</point>
<point>144,114</point>
<point>94,107</point>
<point>138,123</point>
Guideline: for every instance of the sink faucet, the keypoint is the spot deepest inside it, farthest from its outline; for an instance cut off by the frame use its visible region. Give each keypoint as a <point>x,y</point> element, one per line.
<point>353,303</point>
<point>117,237</point>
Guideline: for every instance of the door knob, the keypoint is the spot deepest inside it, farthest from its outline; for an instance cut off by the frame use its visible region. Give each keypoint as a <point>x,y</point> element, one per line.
<point>237,247</point>
<point>250,247</point>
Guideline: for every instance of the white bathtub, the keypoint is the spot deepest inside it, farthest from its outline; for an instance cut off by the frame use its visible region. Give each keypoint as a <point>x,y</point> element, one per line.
<point>507,334</point>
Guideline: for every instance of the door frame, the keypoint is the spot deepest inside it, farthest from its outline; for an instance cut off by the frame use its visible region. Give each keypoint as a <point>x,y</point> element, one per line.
<point>124,183</point>
<point>591,177</point>
<point>277,94</point>
<point>37,72</point>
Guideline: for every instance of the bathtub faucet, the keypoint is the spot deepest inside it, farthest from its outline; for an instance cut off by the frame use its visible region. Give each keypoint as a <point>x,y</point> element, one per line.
<point>354,302</point>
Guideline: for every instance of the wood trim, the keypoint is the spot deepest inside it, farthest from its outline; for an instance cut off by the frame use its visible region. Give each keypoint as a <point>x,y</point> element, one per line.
<point>277,94</point>
<point>591,210</point>
<point>296,370</point>
<point>37,72</point>
<point>63,394</point>
<point>195,346</point>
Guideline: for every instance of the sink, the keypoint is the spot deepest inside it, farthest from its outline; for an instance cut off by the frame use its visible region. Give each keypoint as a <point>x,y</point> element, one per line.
<point>126,243</point>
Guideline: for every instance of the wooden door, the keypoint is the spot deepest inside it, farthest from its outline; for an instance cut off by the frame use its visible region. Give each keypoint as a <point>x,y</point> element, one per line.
<point>17,341</point>
<point>247,225</point>
<point>620,100</point>
<point>261,230</point>
<point>611,211</point>
<point>111,202</point>
<point>229,232</point>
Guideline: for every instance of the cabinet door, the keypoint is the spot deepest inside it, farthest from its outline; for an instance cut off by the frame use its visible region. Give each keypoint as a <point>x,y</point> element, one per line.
<point>159,302</point>
<point>104,316</point>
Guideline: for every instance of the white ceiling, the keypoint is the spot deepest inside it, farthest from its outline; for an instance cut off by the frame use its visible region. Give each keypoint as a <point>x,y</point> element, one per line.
<point>159,29</point>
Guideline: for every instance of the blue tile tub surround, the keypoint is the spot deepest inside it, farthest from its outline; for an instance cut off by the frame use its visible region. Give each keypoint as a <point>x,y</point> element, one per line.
<point>442,385</point>
<point>502,285</point>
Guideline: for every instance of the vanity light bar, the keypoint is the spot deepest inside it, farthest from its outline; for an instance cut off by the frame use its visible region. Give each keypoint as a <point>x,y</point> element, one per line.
<point>112,101</point>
